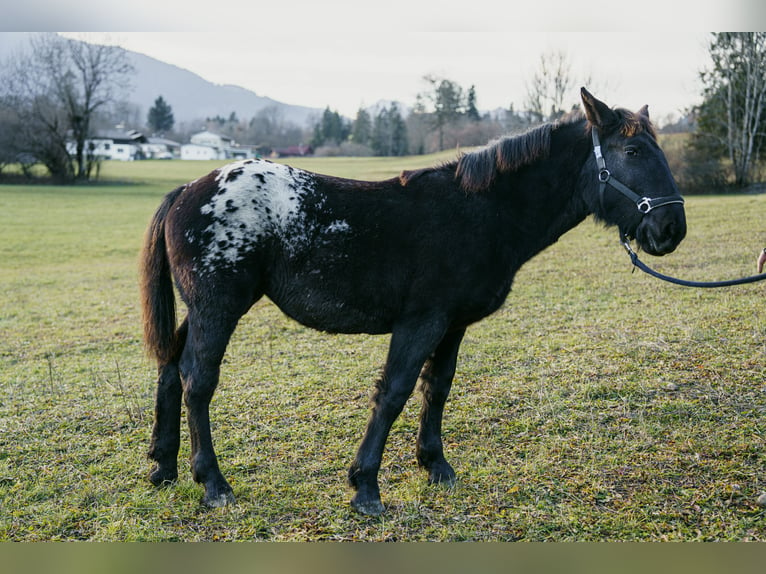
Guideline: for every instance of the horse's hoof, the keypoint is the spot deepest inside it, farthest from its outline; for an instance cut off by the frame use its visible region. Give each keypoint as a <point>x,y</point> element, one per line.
<point>444,476</point>
<point>218,501</point>
<point>159,477</point>
<point>369,507</point>
<point>444,481</point>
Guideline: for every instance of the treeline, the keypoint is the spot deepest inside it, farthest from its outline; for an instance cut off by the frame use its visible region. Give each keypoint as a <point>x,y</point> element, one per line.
<point>445,116</point>
<point>381,134</point>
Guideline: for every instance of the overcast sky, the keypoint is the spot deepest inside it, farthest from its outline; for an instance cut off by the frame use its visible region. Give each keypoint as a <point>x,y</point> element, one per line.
<point>358,70</point>
<point>349,53</point>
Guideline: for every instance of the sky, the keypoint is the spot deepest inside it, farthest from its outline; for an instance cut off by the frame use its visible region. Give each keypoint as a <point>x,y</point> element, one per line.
<point>351,53</point>
<point>348,72</point>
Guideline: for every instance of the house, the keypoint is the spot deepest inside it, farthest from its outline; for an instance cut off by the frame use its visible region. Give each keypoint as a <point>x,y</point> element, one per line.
<point>161,148</point>
<point>118,145</point>
<point>209,145</point>
<point>212,139</point>
<point>200,152</point>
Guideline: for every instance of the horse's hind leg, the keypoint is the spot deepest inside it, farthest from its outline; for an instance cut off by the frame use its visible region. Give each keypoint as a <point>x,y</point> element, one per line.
<point>209,333</point>
<point>166,434</point>
<point>437,381</point>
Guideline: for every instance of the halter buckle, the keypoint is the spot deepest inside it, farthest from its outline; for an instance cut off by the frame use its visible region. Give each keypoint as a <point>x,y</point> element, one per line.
<point>604,175</point>
<point>644,205</point>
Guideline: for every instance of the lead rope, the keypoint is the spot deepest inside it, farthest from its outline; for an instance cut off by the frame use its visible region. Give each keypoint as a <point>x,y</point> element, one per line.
<point>702,284</point>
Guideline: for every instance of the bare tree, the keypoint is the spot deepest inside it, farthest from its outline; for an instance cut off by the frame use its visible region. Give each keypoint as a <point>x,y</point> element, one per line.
<point>550,86</point>
<point>55,88</point>
<point>735,98</point>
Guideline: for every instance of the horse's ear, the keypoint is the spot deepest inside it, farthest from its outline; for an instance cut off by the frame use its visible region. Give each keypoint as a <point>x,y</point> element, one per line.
<point>644,112</point>
<point>597,112</point>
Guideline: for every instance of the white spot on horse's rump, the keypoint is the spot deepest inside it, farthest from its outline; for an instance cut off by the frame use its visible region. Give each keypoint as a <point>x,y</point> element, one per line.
<point>255,199</point>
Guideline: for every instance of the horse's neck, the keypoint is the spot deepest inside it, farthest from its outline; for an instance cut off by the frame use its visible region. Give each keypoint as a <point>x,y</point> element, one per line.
<point>545,203</point>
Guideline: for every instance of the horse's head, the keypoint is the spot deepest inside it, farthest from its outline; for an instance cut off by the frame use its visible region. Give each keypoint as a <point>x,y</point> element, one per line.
<point>628,180</point>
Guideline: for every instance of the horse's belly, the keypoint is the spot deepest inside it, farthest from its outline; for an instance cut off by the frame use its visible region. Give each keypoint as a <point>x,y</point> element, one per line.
<point>325,310</point>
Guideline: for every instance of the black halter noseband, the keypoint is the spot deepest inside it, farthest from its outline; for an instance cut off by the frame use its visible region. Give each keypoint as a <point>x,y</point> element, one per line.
<point>644,204</point>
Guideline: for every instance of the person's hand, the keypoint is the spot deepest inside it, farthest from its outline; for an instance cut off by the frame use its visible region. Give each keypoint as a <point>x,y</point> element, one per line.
<point>761,260</point>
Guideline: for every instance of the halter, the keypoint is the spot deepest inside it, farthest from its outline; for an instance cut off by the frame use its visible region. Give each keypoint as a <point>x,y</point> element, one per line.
<point>644,204</point>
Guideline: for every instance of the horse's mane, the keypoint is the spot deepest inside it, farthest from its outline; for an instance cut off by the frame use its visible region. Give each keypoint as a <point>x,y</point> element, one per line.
<point>476,171</point>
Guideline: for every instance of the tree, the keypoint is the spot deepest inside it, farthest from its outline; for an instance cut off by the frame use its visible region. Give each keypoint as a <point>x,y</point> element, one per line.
<point>399,139</point>
<point>389,133</point>
<point>731,117</point>
<point>550,86</point>
<point>446,98</point>
<point>55,89</point>
<point>268,129</point>
<point>361,132</point>
<point>160,118</point>
<point>8,129</point>
<point>331,129</point>
<point>471,112</point>
<point>447,116</point>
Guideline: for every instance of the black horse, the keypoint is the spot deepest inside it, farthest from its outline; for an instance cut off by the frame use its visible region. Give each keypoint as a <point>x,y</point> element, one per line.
<point>421,257</point>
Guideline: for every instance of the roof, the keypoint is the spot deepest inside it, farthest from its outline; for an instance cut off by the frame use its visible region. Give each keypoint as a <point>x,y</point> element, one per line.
<point>163,141</point>
<point>121,136</point>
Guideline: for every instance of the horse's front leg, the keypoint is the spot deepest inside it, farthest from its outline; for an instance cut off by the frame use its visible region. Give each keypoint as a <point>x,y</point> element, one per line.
<point>408,351</point>
<point>437,381</point>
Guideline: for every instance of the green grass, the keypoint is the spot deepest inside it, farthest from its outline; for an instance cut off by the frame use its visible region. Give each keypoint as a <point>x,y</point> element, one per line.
<point>597,404</point>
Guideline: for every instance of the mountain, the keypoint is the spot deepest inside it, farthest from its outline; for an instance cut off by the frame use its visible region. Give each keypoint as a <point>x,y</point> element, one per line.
<point>191,96</point>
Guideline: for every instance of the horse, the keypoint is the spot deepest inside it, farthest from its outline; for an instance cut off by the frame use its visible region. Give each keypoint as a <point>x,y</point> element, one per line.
<point>421,256</point>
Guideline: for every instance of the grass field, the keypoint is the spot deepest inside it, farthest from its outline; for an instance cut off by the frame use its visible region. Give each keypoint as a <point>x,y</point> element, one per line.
<point>597,404</point>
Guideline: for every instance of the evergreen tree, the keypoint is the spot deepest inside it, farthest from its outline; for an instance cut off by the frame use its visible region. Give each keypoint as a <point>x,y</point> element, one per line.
<point>331,129</point>
<point>399,140</point>
<point>389,134</point>
<point>471,112</point>
<point>160,118</point>
<point>380,134</point>
<point>446,98</point>
<point>361,133</point>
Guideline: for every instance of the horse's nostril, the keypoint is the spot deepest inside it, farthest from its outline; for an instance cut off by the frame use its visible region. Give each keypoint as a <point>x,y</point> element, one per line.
<point>671,228</point>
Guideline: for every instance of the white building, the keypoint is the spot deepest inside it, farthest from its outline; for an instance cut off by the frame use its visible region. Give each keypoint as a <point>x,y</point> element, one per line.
<point>194,151</point>
<point>116,145</point>
<point>161,148</point>
<point>208,145</point>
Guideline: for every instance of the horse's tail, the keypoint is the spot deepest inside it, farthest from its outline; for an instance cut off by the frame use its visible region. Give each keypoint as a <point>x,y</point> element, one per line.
<point>157,296</point>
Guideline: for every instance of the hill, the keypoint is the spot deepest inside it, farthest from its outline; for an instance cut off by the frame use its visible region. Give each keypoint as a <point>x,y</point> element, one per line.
<point>191,96</point>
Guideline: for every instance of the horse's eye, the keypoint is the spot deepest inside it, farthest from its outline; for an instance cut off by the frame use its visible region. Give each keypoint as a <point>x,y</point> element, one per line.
<point>631,151</point>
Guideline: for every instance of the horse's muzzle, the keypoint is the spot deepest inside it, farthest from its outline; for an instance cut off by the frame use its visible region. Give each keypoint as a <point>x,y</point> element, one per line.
<point>662,229</point>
